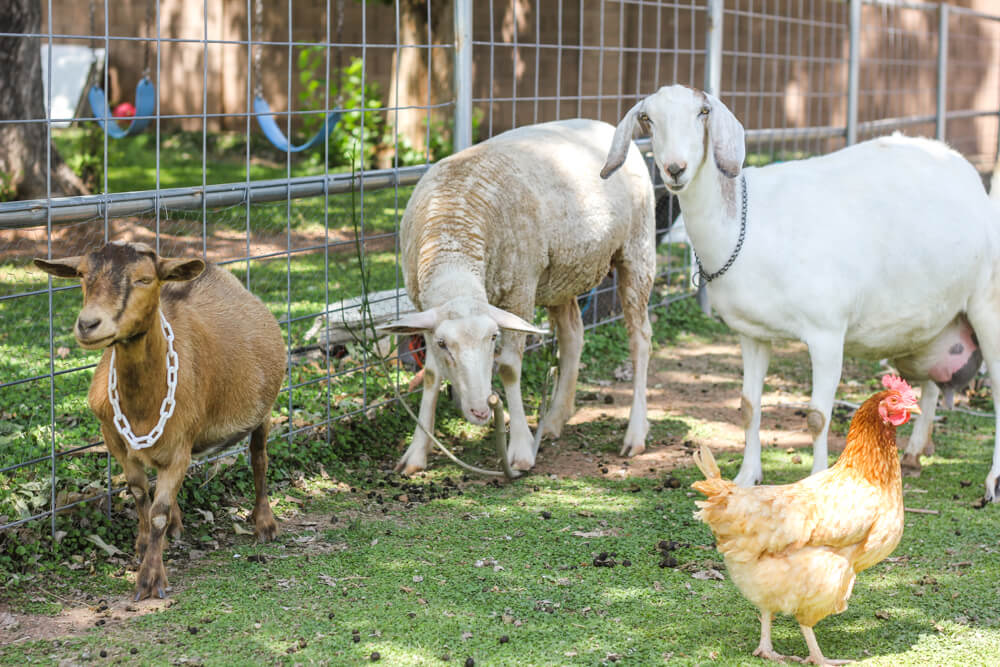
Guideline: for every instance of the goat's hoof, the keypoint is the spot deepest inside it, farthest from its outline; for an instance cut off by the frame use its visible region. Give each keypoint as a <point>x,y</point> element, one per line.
<point>629,451</point>
<point>522,464</point>
<point>265,530</point>
<point>929,448</point>
<point>910,465</point>
<point>152,579</point>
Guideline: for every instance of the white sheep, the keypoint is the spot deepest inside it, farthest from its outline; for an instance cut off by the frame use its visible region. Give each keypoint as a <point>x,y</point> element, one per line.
<point>846,252</point>
<point>517,221</point>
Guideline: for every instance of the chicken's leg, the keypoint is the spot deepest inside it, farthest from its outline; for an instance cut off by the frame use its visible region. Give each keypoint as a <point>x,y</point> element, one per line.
<point>765,649</point>
<point>815,655</point>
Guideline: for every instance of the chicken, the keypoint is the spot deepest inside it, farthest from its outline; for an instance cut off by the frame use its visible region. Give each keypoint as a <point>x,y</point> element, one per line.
<point>796,548</point>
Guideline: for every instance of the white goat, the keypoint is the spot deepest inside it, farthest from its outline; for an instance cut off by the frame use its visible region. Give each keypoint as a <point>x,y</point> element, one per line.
<point>519,220</point>
<point>845,252</point>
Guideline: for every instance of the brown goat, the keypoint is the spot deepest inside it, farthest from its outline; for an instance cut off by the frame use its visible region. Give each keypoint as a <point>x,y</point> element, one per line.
<point>230,360</point>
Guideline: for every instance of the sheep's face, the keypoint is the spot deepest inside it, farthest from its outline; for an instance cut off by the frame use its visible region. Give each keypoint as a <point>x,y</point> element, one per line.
<point>463,351</point>
<point>121,289</point>
<point>461,338</point>
<point>689,129</point>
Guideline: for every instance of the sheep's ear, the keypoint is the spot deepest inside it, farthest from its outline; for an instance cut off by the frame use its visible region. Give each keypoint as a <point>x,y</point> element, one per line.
<point>508,320</point>
<point>179,269</point>
<point>68,267</point>
<point>414,323</point>
<point>628,129</point>
<point>728,138</point>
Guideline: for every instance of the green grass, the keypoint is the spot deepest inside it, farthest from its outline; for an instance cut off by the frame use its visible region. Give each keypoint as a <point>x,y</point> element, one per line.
<point>418,581</point>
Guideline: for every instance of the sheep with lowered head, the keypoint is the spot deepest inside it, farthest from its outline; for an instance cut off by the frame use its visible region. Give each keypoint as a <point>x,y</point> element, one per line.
<point>517,221</point>
<point>846,252</point>
<point>192,361</point>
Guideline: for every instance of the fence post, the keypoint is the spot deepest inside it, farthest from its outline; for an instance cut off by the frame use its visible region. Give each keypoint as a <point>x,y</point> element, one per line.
<point>942,72</point>
<point>463,74</point>
<point>853,68</point>
<point>713,84</point>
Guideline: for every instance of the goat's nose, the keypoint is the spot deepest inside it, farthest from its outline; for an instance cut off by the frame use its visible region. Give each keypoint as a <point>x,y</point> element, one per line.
<point>479,414</point>
<point>676,168</point>
<point>87,326</point>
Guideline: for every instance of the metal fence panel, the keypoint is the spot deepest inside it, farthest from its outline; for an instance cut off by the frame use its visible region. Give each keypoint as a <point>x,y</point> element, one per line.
<point>309,232</point>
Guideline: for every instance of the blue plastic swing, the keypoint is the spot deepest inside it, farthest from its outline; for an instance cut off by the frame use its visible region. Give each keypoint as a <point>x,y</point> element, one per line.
<point>265,118</point>
<point>145,107</point>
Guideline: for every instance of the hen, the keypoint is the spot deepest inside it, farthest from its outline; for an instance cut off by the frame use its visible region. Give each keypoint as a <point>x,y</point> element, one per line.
<point>795,548</point>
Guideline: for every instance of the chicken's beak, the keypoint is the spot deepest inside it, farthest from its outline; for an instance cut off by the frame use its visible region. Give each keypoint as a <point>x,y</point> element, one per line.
<point>914,409</point>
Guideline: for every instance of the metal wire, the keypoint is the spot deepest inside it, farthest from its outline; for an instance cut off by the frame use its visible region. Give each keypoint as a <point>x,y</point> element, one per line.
<point>785,69</point>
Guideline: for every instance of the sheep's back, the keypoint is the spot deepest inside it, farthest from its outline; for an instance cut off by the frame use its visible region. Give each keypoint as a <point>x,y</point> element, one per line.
<point>527,207</point>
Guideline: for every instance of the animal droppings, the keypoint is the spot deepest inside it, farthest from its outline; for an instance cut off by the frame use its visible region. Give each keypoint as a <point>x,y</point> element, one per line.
<point>375,657</point>
<point>504,639</point>
<point>469,662</point>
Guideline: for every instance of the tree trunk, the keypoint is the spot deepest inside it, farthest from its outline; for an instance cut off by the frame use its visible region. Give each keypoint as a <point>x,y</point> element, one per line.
<point>409,85</point>
<point>23,146</point>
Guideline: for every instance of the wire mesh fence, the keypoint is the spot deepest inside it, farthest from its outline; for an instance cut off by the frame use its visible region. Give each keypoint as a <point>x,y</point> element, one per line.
<point>284,139</point>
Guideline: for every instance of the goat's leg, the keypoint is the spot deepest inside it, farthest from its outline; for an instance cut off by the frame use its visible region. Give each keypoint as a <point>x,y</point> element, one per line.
<point>415,458</point>
<point>176,524</point>
<point>756,357</point>
<point>634,285</point>
<point>264,525</point>
<point>138,486</point>
<point>520,444</point>
<point>569,332</point>
<point>984,316</point>
<point>152,576</point>
<point>826,353</point>
<point>923,426</point>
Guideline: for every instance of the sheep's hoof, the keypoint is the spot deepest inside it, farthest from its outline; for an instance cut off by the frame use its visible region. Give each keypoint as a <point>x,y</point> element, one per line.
<point>910,465</point>
<point>152,580</point>
<point>409,469</point>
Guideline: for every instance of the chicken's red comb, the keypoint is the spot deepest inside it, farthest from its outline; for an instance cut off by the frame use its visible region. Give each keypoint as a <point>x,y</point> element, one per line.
<point>897,383</point>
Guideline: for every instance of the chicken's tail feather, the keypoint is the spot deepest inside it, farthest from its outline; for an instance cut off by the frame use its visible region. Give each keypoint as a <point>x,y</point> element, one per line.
<point>705,461</point>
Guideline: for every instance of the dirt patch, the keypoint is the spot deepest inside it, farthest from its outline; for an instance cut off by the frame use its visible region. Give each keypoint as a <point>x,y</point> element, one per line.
<point>177,238</point>
<point>76,617</point>
<point>693,381</point>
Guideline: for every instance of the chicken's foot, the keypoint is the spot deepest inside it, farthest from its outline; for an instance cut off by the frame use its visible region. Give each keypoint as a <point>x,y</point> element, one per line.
<point>816,656</point>
<point>765,649</point>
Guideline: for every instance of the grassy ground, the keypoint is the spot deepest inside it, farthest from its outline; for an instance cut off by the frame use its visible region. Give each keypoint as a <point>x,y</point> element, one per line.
<point>444,566</point>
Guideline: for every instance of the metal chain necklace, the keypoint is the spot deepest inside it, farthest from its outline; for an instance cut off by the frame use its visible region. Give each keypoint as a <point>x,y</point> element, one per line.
<point>709,277</point>
<point>166,408</point>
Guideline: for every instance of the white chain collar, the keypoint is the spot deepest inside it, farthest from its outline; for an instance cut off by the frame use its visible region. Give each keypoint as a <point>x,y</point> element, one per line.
<point>166,408</point>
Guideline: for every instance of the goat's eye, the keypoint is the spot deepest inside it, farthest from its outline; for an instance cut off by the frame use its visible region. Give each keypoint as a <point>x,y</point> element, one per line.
<point>705,109</point>
<point>442,344</point>
<point>142,282</point>
<point>644,118</point>
<point>493,337</point>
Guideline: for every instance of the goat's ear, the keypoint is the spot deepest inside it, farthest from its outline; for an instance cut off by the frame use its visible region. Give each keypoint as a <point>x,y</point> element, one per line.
<point>628,129</point>
<point>728,138</point>
<point>508,320</point>
<point>414,323</point>
<point>68,267</point>
<point>179,269</point>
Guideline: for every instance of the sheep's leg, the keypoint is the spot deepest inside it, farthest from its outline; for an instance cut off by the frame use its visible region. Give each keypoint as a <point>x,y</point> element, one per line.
<point>923,426</point>
<point>827,356</point>
<point>756,357</point>
<point>520,444</point>
<point>138,486</point>
<point>152,576</point>
<point>633,290</point>
<point>415,458</point>
<point>569,331</point>
<point>264,525</point>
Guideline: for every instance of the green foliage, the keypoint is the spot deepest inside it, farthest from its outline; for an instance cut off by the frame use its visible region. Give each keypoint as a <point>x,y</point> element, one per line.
<point>8,188</point>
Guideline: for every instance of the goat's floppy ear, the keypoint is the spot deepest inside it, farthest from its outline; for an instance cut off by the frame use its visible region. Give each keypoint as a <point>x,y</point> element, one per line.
<point>179,269</point>
<point>728,138</point>
<point>68,267</point>
<point>508,320</point>
<point>414,323</point>
<point>628,129</point>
